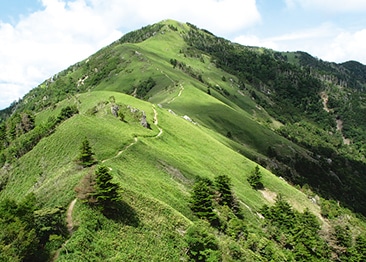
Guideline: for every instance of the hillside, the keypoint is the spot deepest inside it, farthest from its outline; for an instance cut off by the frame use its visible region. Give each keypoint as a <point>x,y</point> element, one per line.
<point>182,120</point>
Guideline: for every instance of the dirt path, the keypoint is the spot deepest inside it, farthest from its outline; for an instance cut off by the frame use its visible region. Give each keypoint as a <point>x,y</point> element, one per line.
<point>69,225</point>
<point>181,89</point>
<point>135,139</point>
<point>165,74</point>
<point>69,221</point>
<point>156,122</point>
<point>324,97</point>
<point>339,122</point>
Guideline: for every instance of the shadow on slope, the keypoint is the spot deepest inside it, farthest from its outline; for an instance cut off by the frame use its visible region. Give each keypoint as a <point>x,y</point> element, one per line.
<point>122,212</point>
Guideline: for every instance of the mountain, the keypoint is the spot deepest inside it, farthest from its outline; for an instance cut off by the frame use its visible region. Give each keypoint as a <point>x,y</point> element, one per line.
<point>175,144</point>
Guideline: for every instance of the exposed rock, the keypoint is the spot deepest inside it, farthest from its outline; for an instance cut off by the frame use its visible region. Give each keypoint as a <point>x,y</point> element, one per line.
<point>114,110</point>
<point>188,119</point>
<point>172,112</point>
<point>144,122</point>
<point>132,109</point>
<point>81,80</point>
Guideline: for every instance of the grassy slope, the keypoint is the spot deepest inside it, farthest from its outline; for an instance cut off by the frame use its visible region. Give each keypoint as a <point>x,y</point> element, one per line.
<point>236,113</point>
<point>156,173</point>
<point>156,198</point>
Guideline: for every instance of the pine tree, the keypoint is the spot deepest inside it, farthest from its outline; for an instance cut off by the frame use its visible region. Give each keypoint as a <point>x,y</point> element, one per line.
<point>223,187</point>
<point>85,157</point>
<point>201,201</point>
<point>255,179</point>
<point>202,244</point>
<point>106,192</point>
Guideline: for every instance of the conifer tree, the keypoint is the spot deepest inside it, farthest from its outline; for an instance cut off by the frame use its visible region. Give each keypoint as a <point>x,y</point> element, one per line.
<point>201,243</point>
<point>255,179</point>
<point>223,187</point>
<point>201,201</point>
<point>106,192</point>
<point>85,157</point>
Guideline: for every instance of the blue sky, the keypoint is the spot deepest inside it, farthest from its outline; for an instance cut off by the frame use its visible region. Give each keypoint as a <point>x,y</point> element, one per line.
<point>39,38</point>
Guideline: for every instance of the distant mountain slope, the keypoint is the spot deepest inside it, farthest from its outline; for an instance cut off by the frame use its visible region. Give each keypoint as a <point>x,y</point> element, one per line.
<point>169,105</point>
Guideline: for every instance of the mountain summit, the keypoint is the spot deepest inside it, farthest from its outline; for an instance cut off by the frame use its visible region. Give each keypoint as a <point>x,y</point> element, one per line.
<point>175,144</point>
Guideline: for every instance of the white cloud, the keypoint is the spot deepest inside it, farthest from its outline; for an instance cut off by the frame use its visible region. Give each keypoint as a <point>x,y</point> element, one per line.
<point>46,42</point>
<point>347,46</point>
<point>64,32</point>
<point>220,16</point>
<point>338,6</point>
<point>252,40</point>
<point>326,42</point>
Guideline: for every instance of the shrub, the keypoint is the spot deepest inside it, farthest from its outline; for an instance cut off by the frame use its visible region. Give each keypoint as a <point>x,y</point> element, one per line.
<point>202,245</point>
<point>85,157</point>
<point>201,201</point>
<point>223,187</point>
<point>255,179</point>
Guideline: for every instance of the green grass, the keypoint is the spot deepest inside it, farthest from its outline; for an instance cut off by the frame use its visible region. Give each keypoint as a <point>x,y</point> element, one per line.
<point>156,173</point>
<point>158,197</point>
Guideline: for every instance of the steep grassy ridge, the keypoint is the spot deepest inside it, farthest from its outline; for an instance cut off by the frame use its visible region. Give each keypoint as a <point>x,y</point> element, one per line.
<point>207,118</point>
<point>156,174</point>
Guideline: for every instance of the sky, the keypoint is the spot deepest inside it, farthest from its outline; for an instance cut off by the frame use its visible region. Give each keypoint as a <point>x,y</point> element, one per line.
<point>39,38</point>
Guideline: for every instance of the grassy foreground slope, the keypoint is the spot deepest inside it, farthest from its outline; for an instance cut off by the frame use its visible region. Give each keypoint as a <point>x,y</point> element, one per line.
<point>204,122</point>
<point>155,172</point>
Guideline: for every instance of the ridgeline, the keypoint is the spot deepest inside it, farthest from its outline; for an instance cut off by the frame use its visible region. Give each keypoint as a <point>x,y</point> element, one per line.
<point>183,146</point>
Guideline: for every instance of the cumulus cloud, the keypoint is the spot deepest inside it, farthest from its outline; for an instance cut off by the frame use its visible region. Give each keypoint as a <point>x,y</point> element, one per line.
<point>64,32</point>
<point>326,42</point>
<point>338,6</point>
<point>347,46</point>
<point>220,16</point>
<point>253,40</point>
<point>46,42</point>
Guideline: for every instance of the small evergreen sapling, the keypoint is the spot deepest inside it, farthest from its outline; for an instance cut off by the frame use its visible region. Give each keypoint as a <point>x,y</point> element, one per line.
<point>223,187</point>
<point>201,201</point>
<point>106,192</point>
<point>201,243</point>
<point>85,157</point>
<point>255,179</point>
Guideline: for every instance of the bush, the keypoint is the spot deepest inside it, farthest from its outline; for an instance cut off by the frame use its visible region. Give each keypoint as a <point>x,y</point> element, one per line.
<point>106,192</point>
<point>255,179</point>
<point>201,201</point>
<point>202,245</point>
<point>223,186</point>
<point>85,157</point>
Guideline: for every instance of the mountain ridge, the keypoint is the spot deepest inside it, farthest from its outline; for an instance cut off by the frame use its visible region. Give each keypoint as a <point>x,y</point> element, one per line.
<point>210,107</point>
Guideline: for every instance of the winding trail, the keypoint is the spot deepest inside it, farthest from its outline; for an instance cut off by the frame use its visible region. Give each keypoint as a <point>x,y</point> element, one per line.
<point>69,221</point>
<point>165,74</point>
<point>70,228</point>
<point>181,89</point>
<point>135,139</point>
<point>156,122</point>
<point>339,122</point>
